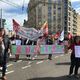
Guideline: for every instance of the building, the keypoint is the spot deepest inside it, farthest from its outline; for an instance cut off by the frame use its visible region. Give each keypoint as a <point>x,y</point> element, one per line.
<point>56,12</point>
<point>78,24</point>
<point>3,22</point>
<point>74,22</point>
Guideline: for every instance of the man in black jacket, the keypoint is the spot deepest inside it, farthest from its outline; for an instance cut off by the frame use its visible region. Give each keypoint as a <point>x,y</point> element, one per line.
<point>6,44</point>
<point>49,42</point>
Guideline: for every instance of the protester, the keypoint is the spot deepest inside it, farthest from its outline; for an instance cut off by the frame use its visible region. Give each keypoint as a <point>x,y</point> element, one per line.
<point>49,41</point>
<point>28,42</point>
<point>18,42</point>
<point>75,62</point>
<point>5,51</point>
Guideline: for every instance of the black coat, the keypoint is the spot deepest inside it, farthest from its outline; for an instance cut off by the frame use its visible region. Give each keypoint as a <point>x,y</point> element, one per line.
<point>49,41</point>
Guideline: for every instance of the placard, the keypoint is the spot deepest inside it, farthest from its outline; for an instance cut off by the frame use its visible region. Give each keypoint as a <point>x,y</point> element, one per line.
<point>77,51</point>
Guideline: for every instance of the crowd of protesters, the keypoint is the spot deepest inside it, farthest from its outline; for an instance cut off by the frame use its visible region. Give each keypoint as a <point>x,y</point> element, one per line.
<point>6,42</point>
<point>42,40</point>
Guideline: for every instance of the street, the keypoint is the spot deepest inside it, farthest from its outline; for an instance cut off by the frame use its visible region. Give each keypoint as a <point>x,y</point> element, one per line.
<point>40,69</point>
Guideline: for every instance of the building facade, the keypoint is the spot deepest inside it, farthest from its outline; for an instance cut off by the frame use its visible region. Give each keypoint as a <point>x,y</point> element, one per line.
<point>78,24</point>
<point>56,12</point>
<point>74,26</point>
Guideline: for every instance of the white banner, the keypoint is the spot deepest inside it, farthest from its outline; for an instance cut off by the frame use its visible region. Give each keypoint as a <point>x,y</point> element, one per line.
<point>29,33</point>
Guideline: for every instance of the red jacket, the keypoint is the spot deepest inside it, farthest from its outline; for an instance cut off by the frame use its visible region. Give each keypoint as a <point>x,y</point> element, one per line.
<point>72,47</point>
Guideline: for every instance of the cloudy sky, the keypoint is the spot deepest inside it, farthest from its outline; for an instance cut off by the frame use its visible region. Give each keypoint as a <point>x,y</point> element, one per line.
<point>13,9</point>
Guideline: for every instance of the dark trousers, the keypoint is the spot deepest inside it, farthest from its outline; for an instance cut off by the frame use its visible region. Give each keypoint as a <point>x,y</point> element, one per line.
<point>50,56</point>
<point>4,64</point>
<point>75,62</point>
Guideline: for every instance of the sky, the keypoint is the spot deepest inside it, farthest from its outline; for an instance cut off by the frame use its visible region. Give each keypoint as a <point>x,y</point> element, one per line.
<point>12,9</point>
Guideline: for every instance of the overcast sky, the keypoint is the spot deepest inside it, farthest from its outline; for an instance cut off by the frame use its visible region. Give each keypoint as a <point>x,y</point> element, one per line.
<point>12,9</point>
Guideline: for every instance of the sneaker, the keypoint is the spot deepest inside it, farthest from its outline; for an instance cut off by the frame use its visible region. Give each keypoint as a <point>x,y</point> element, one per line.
<point>70,75</point>
<point>77,76</point>
<point>50,58</point>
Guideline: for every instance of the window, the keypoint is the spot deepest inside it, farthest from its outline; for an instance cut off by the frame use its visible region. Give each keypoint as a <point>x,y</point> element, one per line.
<point>54,18</point>
<point>69,14</point>
<point>69,3</point>
<point>54,12</point>
<point>65,22</point>
<point>69,24</point>
<point>59,8</point>
<point>69,19</point>
<point>49,0</point>
<point>65,17</point>
<point>65,28</point>
<point>70,8</point>
<point>54,6</point>
<point>69,28</point>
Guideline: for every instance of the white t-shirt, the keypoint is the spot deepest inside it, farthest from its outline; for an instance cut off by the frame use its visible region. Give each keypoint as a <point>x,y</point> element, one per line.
<point>18,42</point>
<point>3,47</point>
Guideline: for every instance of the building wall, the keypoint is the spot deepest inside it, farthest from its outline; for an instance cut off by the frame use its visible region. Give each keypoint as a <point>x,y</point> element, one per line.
<point>78,24</point>
<point>74,23</point>
<point>55,12</point>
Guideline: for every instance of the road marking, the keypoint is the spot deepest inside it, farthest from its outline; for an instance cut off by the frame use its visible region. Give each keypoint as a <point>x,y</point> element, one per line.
<point>26,67</point>
<point>47,60</point>
<point>39,62</point>
<point>19,61</point>
<point>10,72</point>
<point>62,55</point>
<point>33,58</point>
<point>9,65</point>
<point>56,56</point>
<point>29,62</point>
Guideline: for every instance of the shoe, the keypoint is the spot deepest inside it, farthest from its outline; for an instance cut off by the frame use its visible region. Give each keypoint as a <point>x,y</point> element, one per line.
<point>70,75</point>
<point>50,58</point>
<point>77,76</point>
<point>0,68</point>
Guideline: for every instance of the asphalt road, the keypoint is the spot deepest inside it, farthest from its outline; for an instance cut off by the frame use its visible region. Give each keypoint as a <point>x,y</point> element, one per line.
<point>40,69</point>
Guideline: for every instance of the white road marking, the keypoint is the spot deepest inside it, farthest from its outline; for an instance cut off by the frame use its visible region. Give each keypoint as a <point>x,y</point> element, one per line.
<point>29,62</point>
<point>33,58</point>
<point>19,61</point>
<point>9,65</point>
<point>10,72</point>
<point>62,55</point>
<point>39,62</point>
<point>56,56</point>
<point>26,67</point>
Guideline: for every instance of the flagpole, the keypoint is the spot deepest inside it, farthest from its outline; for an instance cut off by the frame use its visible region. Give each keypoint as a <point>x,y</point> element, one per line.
<point>1,17</point>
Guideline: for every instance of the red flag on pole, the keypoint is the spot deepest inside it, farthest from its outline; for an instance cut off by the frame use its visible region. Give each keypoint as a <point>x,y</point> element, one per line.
<point>16,26</point>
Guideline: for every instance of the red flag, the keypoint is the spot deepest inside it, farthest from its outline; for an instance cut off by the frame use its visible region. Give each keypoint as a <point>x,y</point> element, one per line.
<point>69,35</point>
<point>56,36</point>
<point>16,26</point>
<point>44,28</point>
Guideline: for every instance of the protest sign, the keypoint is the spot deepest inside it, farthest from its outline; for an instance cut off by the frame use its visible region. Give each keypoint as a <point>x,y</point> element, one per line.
<point>77,51</point>
<point>34,49</point>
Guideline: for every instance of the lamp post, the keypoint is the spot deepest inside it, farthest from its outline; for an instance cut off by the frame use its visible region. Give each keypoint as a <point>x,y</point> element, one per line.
<point>1,18</point>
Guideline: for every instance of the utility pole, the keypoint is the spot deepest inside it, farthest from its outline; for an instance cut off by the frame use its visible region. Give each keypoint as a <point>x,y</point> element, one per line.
<point>1,18</point>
